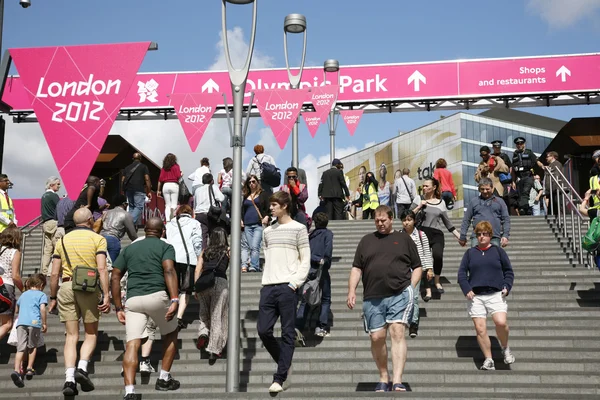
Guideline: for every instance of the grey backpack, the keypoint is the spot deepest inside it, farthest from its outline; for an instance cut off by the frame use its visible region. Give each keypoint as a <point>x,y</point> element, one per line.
<point>311,290</point>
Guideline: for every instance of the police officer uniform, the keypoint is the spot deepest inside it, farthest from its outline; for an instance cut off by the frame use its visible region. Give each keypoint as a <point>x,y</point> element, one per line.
<point>503,156</point>
<point>523,163</point>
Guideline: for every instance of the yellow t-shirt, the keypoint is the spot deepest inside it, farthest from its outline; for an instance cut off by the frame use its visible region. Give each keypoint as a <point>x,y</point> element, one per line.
<point>82,245</point>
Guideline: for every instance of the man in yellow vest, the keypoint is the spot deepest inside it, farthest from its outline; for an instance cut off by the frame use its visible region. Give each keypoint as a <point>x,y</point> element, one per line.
<point>7,210</point>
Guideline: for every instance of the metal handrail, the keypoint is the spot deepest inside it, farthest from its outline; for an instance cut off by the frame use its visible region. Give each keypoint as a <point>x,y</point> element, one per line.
<point>564,203</point>
<point>565,180</point>
<point>26,231</point>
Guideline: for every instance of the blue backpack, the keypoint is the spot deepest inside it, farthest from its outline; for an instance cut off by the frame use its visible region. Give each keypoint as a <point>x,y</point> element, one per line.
<point>269,174</point>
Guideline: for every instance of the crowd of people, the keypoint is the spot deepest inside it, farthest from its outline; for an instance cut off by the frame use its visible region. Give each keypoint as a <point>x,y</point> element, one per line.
<point>151,282</point>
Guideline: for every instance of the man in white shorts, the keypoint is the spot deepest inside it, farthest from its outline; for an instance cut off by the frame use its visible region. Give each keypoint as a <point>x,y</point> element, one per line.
<point>152,292</point>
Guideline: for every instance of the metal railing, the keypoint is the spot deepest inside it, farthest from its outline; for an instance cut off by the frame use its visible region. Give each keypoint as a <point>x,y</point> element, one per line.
<point>566,199</point>
<point>26,231</point>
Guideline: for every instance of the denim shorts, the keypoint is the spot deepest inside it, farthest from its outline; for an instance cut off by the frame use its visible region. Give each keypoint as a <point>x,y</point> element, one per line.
<point>378,313</point>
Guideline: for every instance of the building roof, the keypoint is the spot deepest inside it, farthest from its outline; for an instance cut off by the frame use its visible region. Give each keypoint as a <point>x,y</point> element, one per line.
<point>525,118</point>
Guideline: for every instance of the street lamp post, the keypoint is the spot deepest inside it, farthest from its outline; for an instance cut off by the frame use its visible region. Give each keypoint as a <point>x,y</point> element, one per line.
<point>331,66</point>
<point>238,87</point>
<point>294,23</point>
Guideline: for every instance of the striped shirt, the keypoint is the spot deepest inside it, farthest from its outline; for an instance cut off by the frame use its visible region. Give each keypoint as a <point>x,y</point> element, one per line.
<point>287,254</point>
<point>423,248</point>
<point>83,245</point>
<point>62,209</point>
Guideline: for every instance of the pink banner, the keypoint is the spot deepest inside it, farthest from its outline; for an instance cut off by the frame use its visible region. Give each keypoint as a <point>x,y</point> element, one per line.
<point>351,119</point>
<point>279,109</point>
<point>323,99</point>
<point>76,93</point>
<point>312,122</point>
<point>194,111</point>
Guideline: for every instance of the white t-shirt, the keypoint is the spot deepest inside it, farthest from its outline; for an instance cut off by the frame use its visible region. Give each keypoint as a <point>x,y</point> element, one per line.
<point>197,175</point>
<point>227,178</point>
<point>6,259</point>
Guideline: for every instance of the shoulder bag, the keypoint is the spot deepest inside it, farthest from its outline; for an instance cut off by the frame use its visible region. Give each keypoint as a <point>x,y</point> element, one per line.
<point>410,196</point>
<point>85,279</point>
<point>207,278</point>
<point>257,210</point>
<point>130,175</point>
<point>214,212</point>
<point>188,277</point>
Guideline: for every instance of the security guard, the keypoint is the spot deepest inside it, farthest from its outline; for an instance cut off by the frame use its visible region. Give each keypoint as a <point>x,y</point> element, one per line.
<point>497,147</point>
<point>523,163</point>
<point>7,209</point>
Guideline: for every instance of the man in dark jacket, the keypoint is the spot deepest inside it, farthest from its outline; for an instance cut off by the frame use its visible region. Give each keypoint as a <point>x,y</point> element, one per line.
<point>333,189</point>
<point>554,165</point>
<point>321,250</point>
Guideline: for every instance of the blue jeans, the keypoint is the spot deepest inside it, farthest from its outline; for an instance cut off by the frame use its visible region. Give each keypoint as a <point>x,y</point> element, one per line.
<point>113,247</point>
<point>254,239</point>
<point>303,311</point>
<point>136,204</point>
<point>245,251</point>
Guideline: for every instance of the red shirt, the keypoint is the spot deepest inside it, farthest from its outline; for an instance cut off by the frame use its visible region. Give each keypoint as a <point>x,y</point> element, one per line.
<point>172,175</point>
<point>445,178</point>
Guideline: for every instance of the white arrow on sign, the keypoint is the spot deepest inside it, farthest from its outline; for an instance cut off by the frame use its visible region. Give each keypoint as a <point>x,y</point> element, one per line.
<point>563,72</point>
<point>417,78</point>
<point>210,86</point>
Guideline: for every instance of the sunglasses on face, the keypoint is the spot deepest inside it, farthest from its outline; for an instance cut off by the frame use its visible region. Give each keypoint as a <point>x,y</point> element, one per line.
<point>292,177</point>
<point>253,182</point>
<point>484,234</point>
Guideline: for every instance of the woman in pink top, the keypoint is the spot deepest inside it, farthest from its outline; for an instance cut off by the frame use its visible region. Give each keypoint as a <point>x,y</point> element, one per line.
<point>445,178</point>
<point>168,181</point>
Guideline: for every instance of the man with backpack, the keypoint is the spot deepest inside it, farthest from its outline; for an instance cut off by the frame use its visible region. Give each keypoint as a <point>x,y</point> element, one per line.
<point>317,289</point>
<point>263,166</point>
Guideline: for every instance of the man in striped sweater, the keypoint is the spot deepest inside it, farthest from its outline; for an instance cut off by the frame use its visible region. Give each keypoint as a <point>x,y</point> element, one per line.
<point>287,262</point>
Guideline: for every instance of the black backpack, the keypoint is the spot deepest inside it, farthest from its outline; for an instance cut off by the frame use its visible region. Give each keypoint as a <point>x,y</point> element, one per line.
<point>269,174</point>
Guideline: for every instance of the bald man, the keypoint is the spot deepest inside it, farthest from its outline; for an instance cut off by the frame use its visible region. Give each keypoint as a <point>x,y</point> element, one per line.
<point>152,293</point>
<point>80,247</point>
<point>135,184</point>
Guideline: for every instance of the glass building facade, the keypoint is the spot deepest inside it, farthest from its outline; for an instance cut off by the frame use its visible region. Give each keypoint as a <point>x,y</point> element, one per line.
<point>456,138</point>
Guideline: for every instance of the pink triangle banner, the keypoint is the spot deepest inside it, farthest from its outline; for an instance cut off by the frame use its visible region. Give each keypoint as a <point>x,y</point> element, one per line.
<point>312,122</point>
<point>351,119</point>
<point>76,93</point>
<point>194,111</point>
<point>323,99</point>
<point>279,109</point>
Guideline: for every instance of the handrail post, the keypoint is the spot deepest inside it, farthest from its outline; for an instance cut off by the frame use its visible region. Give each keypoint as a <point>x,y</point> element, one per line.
<point>23,254</point>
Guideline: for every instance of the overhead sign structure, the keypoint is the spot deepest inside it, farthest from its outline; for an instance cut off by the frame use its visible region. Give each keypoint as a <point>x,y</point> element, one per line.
<point>371,83</point>
<point>76,93</point>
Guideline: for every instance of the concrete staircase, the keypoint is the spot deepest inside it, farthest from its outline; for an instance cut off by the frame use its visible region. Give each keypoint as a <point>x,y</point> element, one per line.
<point>553,316</point>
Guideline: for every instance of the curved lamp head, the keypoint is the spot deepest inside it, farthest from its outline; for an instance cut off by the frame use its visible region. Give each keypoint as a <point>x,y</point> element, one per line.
<point>294,23</point>
<point>331,65</point>
<point>239,1</point>
<point>238,76</point>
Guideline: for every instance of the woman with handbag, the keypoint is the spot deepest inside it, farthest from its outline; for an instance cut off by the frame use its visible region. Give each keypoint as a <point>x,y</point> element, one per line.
<point>255,214</point>
<point>10,262</point>
<point>207,200</point>
<point>168,181</point>
<point>431,217</point>
<point>185,235</point>
<point>213,295</point>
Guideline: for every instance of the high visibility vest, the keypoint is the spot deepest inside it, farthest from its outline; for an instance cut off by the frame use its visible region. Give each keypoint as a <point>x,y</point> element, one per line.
<point>370,198</point>
<point>7,210</point>
<point>595,185</point>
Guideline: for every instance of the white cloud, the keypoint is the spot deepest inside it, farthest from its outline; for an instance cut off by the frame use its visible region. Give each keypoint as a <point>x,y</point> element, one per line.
<point>309,164</point>
<point>562,14</point>
<point>369,144</point>
<point>238,49</point>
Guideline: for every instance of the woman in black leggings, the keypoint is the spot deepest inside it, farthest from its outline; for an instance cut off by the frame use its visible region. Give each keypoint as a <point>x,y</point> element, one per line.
<point>436,217</point>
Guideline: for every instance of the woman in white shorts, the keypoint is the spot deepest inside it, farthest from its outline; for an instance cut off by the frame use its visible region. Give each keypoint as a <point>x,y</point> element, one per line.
<point>486,277</point>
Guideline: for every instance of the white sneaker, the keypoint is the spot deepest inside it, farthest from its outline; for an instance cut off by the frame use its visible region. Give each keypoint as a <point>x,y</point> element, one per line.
<point>508,356</point>
<point>488,365</point>
<point>275,388</point>
<point>146,367</point>
<point>299,339</point>
<point>320,332</point>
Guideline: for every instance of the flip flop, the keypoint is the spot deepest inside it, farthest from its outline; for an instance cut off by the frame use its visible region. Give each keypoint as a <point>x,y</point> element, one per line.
<point>382,387</point>
<point>398,387</point>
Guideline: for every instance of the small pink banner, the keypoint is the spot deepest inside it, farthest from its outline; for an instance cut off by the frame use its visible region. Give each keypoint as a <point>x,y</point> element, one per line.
<point>76,94</point>
<point>351,119</point>
<point>279,109</point>
<point>194,111</point>
<point>323,99</point>
<point>312,122</point>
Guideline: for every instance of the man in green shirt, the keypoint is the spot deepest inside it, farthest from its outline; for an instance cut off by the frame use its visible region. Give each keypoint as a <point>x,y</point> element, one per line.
<point>51,234</point>
<point>152,292</point>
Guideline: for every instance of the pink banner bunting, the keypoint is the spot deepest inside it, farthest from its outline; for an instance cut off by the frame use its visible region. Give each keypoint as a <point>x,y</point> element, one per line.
<point>351,119</point>
<point>312,122</point>
<point>323,99</point>
<point>194,111</point>
<point>76,94</point>
<point>279,109</point>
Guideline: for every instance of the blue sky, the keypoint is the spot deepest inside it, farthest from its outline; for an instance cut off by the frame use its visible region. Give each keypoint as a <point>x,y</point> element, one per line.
<point>354,32</point>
